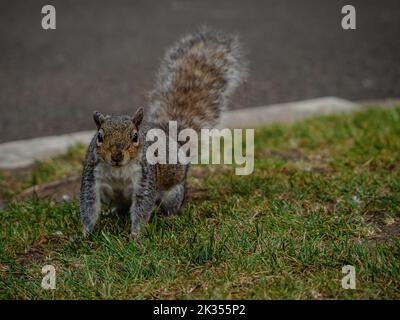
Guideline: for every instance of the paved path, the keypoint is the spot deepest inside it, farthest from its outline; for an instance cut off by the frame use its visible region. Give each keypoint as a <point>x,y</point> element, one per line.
<point>104,55</point>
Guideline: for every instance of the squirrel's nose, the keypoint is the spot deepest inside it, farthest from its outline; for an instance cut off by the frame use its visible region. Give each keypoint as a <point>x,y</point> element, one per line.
<point>117,157</point>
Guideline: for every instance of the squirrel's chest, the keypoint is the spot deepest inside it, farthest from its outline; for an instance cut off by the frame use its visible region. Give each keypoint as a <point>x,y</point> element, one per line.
<point>118,182</point>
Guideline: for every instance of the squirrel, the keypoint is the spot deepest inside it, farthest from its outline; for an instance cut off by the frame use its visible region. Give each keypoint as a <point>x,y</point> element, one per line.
<point>196,78</point>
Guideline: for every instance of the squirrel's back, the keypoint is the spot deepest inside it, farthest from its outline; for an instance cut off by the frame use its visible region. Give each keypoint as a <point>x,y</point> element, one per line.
<point>197,76</point>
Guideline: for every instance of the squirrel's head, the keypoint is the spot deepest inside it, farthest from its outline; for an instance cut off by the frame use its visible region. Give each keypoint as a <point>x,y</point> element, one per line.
<point>118,138</point>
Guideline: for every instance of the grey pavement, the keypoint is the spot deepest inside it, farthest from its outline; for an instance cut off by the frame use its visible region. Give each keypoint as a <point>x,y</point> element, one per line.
<point>104,55</point>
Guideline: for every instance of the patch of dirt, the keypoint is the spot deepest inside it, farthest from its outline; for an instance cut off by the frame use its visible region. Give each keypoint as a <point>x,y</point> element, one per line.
<point>195,190</point>
<point>33,255</point>
<point>388,226</point>
<point>61,190</point>
<point>387,231</point>
<point>374,166</point>
<point>202,171</point>
<point>317,163</point>
<point>198,172</point>
<point>286,155</point>
<point>194,193</point>
<point>391,230</point>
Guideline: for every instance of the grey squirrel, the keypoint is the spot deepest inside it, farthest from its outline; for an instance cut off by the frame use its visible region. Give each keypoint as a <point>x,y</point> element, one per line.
<point>197,76</point>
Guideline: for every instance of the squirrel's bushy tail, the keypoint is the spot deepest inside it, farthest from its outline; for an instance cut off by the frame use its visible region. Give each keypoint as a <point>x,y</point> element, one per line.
<point>197,76</point>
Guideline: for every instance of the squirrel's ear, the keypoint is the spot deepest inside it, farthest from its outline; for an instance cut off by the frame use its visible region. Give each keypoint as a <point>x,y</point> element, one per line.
<point>138,117</point>
<point>98,118</point>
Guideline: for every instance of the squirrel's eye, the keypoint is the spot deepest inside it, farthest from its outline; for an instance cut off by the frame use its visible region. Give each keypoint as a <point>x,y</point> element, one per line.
<point>100,137</point>
<point>135,137</point>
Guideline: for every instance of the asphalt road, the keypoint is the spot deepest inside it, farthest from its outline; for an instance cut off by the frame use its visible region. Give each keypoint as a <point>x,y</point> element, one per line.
<point>104,55</point>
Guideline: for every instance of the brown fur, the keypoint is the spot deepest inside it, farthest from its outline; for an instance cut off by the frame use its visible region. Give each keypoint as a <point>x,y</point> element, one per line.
<point>169,175</point>
<point>196,79</point>
<point>194,82</point>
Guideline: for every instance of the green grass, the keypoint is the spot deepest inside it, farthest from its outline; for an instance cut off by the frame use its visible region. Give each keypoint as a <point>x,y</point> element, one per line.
<point>13,182</point>
<point>324,193</point>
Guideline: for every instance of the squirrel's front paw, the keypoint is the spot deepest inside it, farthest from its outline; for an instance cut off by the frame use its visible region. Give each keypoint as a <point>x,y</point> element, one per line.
<point>135,237</point>
<point>135,232</point>
<point>87,227</point>
<point>86,231</point>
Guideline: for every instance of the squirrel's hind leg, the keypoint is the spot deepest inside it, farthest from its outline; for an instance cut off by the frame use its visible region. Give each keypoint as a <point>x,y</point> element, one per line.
<point>172,200</point>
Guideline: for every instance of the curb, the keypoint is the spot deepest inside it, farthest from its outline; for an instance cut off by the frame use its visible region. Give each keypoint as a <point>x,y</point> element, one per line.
<point>22,153</point>
<point>17,154</point>
<point>286,112</point>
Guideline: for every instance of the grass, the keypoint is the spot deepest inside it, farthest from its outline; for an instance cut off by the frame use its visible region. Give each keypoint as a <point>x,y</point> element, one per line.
<point>324,193</point>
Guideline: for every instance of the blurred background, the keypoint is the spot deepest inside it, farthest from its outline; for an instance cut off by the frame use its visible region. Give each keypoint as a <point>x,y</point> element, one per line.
<point>104,55</point>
